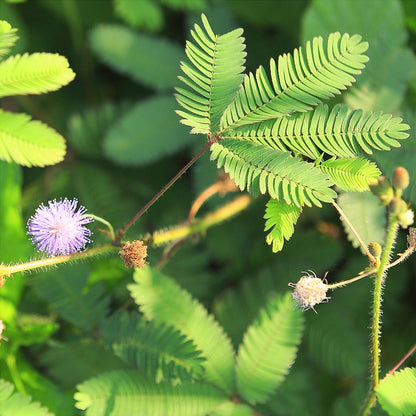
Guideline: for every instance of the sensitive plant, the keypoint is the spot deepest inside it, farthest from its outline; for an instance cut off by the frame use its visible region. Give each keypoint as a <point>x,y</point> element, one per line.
<point>273,135</point>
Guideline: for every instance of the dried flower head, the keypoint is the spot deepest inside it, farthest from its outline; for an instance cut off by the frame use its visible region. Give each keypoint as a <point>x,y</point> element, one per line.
<point>309,291</point>
<point>58,228</point>
<point>411,238</point>
<point>134,253</point>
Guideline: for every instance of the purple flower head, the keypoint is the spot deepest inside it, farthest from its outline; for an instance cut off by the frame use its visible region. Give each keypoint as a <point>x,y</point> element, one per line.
<point>59,228</point>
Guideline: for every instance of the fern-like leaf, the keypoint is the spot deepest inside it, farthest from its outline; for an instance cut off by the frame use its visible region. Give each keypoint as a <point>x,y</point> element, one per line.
<point>12,404</point>
<point>152,348</point>
<point>34,74</point>
<point>162,300</point>
<point>8,37</point>
<point>260,169</point>
<point>339,132</point>
<point>351,174</point>
<point>299,82</point>
<point>213,80</point>
<point>269,349</point>
<point>397,393</point>
<point>281,218</point>
<point>28,142</point>
<point>66,294</point>
<point>131,393</point>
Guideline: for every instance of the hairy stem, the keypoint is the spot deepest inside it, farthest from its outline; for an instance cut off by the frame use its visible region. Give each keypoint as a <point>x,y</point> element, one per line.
<point>379,278</point>
<point>123,230</point>
<point>52,261</point>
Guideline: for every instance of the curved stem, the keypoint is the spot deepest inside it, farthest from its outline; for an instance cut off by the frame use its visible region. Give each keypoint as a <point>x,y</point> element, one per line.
<point>123,230</point>
<point>213,218</point>
<point>354,279</point>
<point>110,231</point>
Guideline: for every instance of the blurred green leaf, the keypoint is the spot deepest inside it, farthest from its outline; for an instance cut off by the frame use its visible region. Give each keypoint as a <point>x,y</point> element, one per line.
<point>365,214</point>
<point>148,132</point>
<point>143,14</point>
<point>149,60</point>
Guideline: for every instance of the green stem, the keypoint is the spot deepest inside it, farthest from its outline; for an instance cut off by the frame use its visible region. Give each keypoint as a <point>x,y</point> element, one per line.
<point>110,232</point>
<point>379,278</point>
<point>201,225</point>
<point>52,261</point>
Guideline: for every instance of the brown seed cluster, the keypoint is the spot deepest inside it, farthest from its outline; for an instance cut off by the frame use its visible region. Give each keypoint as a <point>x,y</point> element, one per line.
<point>134,253</point>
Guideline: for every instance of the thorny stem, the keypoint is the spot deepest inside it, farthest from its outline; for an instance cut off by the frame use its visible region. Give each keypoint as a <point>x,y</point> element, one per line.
<point>357,236</point>
<point>123,230</point>
<point>376,314</point>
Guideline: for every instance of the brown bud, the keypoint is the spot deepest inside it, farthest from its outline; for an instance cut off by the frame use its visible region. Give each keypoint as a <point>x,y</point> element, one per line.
<point>397,206</point>
<point>134,253</point>
<point>400,178</point>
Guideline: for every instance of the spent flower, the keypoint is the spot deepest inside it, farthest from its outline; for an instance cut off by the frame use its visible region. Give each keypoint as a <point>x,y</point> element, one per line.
<point>59,228</point>
<point>309,291</point>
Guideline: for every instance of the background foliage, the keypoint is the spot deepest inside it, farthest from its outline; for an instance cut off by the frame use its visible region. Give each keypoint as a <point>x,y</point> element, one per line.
<point>124,142</point>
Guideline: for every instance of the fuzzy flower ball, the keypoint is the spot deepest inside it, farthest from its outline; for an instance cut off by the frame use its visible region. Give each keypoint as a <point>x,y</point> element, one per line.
<point>309,291</point>
<point>58,228</point>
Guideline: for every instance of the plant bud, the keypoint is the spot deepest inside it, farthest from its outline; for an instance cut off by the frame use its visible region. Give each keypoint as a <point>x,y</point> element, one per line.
<point>134,253</point>
<point>383,190</point>
<point>375,249</point>
<point>400,178</point>
<point>397,206</point>
<point>406,218</point>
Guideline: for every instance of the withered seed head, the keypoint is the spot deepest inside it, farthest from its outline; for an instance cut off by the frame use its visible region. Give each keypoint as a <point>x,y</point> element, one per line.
<point>309,291</point>
<point>134,253</point>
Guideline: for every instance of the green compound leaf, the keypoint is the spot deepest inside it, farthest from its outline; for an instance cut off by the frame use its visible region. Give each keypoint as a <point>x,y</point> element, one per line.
<point>34,74</point>
<point>213,78</point>
<point>339,132</point>
<point>261,169</point>
<point>131,393</point>
<point>13,404</point>
<point>159,350</point>
<point>281,218</point>
<point>161,299</point>
<point>28,142</point>
<point>148,132</point>
<point>268,349</point>
<point>8,37</point>
<point>148,60</point>
<point>351,174</point>
<point>66,293</point>
<point>397,393</point>
<point>299,82</point>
